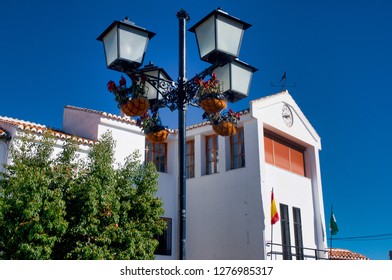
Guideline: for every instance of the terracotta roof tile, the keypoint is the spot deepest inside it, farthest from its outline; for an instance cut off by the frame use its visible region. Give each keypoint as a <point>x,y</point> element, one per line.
<point>39,129</point>
<point>124,119</point>
<point>3,133</point>
<point>104,114</point>
<point>343,254</point>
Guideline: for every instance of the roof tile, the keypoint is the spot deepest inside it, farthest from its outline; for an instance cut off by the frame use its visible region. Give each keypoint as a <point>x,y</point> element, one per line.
<point>39,129</point>
<point>343,254</point>
<point>3,133</point>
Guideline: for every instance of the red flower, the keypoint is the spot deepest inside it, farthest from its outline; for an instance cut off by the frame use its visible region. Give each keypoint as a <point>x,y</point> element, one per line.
<point>123,82</point>
<point>111,86</point>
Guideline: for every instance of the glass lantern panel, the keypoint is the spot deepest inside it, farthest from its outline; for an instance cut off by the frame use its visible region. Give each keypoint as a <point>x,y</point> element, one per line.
<point>110,43</point>
<point>241,78</point>
<point>229,35</point>
<point>133,44</point>
<point>205,34</point>
<point>223,75</point>
<point>152,93</point>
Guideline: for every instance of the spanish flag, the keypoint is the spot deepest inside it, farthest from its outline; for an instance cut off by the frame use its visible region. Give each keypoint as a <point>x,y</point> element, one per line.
<point>274,211</point>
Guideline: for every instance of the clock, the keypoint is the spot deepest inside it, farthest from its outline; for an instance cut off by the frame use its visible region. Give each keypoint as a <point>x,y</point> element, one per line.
<point>287,115</point>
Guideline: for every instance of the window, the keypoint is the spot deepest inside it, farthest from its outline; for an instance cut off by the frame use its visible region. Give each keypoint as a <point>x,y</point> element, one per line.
<point>3,154</point>
<point>156,153</point>
<point>283,153</point>
<point>211,154</point>
<point>285,228</point>
<point>165,239</point>
<point>190,159</point>
<point>237,149</point>
<point>299,250</point>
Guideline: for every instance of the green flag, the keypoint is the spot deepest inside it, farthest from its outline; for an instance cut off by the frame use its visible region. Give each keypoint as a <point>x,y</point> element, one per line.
<point>333,226</point>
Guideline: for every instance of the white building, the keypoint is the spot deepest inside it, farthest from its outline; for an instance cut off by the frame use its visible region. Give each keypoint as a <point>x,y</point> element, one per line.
<point>229,179</point>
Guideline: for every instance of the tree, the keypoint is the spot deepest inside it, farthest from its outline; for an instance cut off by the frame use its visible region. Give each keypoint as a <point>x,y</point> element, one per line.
<point>32,208</point>
<point>108,211</point>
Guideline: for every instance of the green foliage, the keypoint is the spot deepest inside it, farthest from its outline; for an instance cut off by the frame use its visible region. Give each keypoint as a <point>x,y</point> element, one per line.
<point>33,210</point>
<point>60,207</point>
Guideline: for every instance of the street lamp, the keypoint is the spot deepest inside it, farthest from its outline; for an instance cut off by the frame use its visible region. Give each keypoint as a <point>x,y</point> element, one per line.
<point>157,80</point>
<point>125,45</point>
<point>219,38</point>
<point>235,77</point>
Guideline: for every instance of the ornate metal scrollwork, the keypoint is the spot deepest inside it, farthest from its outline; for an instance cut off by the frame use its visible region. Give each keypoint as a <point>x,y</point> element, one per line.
<point>169,89</point>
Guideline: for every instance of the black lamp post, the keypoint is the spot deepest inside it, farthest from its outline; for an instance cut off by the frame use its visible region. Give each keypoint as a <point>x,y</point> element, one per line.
<point>219,38</point>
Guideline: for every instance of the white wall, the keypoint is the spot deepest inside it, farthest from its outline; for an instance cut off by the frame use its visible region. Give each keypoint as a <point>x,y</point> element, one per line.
<point>295,191</point>
<point>289,188</point>
<point>168,192</point>
<point>128,138</point>
<point>224,213</point>
<point>228,213</point>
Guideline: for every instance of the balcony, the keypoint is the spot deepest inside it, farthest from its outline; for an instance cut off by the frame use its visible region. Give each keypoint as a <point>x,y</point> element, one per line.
<point>276,251</point>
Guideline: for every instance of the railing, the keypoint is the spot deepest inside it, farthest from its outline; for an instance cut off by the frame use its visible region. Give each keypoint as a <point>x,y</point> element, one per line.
<point>300,253</point>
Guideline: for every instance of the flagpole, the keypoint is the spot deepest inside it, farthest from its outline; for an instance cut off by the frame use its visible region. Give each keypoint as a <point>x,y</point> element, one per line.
<point>272,238</point>
<point>330,234</point>
<point>274,218</point>
<point>333,226</point>
<point>272,226</point>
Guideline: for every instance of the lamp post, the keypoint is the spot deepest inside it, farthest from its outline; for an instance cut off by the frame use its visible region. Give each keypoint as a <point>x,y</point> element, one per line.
<point>219,38</point>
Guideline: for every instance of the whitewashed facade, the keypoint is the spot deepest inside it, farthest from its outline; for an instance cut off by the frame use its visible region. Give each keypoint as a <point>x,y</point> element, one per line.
<point>228,211</point>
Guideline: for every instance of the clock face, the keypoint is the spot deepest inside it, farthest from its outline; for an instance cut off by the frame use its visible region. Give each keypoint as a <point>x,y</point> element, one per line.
<point>287,115</point>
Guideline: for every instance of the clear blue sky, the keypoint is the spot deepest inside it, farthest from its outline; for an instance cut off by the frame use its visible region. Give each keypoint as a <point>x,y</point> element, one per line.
<point>337,53</point>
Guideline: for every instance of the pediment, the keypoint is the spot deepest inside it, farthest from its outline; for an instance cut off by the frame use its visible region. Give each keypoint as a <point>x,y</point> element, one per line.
<point>273,112</point>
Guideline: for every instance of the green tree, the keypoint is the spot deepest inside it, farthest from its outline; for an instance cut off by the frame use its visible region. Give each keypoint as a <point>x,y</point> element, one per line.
<point>107,211</point>
<point>32,207</point>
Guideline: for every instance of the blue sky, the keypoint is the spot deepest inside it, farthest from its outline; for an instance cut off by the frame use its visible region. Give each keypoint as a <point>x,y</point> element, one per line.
<point>337,53</point>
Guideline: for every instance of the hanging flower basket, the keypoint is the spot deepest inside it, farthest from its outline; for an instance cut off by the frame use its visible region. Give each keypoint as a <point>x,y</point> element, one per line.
<point>223,124</point>
<point>209,95</point>
<point>158,136</point>
<point>135,106</point>
<point>131,100</point>
<point>152,127</point>
<point>225,128</point>
<point>212,105</point>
